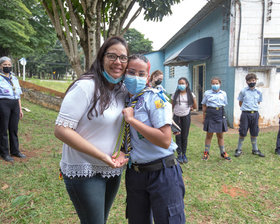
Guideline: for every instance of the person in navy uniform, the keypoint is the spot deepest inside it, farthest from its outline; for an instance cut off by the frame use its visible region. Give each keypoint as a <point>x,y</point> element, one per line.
<point>249,100</point>
<point>154,183</point>
<point>10,111</point>
<point>214,119</point>
<point>277,150</point>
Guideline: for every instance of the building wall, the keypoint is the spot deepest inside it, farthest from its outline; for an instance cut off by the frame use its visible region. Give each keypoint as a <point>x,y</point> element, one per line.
<point>212,26</point>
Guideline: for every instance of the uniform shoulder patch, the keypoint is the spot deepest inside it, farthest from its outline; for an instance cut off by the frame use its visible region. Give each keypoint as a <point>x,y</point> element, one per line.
<point>159,103</point>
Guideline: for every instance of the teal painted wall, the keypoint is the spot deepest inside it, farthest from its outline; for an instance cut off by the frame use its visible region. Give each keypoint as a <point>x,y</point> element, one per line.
<point>217,65</point>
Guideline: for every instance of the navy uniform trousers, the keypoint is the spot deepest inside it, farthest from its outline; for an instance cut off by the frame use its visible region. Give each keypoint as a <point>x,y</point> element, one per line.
<point>9,118</point>
<point>157,195</point>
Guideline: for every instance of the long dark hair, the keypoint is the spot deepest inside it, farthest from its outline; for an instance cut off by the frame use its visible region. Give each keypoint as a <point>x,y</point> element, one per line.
<point>102,92</point>
<point>189,94</point>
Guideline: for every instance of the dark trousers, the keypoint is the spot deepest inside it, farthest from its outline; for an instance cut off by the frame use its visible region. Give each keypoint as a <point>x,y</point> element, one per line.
<point>182,139</point>
<point>156,195</point>
<point>278,139</point>
<point>9,118</point>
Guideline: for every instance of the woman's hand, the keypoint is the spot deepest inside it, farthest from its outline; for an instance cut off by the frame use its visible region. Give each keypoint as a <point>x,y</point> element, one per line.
<point>121,160</point>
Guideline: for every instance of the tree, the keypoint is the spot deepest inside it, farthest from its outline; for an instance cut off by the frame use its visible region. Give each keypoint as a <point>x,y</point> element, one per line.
<point>137,44</point>
<point>86,22</point>
<point>15,30</point>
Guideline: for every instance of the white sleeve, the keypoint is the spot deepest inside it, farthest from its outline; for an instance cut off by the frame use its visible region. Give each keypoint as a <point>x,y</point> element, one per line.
<point>75,104</point>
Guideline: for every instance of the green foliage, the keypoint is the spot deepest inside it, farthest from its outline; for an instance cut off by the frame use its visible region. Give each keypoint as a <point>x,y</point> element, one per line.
<point>155,10</point>
<point>137,44</point>
<point>15,30</point>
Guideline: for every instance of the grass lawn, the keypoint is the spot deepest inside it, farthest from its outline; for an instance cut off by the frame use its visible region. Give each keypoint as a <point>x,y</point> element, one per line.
<point>246,190</point>
<point>58,85</point>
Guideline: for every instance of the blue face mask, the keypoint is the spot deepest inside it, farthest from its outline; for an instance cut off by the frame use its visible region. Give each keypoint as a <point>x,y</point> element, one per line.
<point>110,79</point>
<point>181,87</point>
<point>215,87</point>
<point>135,84</point>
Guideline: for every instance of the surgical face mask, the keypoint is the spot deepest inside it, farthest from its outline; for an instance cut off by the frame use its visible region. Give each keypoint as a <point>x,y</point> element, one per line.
<point>134,84</point>
<point>181,87</point>
<point>215,87</point>
<point>158,82</point>
<point>110,79</point>
<point>7,69</point>
<point>252,84</point>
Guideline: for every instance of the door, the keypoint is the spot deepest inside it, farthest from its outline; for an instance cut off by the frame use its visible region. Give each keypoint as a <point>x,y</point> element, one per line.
<point>199,83</point>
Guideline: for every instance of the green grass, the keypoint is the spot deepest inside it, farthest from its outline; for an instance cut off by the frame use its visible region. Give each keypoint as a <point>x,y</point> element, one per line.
<point>30,191</point>
<point>57,85</point>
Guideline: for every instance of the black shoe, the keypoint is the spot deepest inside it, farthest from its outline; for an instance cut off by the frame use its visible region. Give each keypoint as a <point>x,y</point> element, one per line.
<point>237,153</point>
<point>19,155</point>
<point>8,158</point>
<point>277,152</point>
<point>185,159</point>
<point>258,153</point>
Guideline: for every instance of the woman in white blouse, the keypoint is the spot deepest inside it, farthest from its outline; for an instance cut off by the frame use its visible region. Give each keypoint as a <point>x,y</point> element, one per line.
<point>183,101</point>
<point>88,123</point>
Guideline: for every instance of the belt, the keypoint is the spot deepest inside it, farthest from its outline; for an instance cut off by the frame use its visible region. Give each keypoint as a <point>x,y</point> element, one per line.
<point>216,108</point>
<point>251,112</point>
<point>155,165</point>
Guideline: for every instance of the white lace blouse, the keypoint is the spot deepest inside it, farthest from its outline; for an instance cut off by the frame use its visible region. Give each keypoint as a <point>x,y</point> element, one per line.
<point>101,131</point>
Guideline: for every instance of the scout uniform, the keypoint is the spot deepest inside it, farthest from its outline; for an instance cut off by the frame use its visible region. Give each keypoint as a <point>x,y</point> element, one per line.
<point>215,120</point>
<point>250,116</point>
<point>154,184</point>
<point>9,114</point>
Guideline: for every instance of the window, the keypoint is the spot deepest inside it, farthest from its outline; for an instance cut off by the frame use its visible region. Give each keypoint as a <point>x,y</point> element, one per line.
<point>171,72</point>
<point>271,54</point>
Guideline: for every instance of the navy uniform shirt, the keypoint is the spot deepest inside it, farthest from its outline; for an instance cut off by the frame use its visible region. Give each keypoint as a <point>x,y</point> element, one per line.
<point>151,110</point>
<point>9,90</point>
<point>212,98</point>
<point>250,99</point>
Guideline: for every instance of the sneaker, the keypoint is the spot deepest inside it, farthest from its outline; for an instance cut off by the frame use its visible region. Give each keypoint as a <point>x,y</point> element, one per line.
<point>225,156</point>
<point>180,158</point>
<point>238,152</point>
<point>185,159</point>
<point>19,155</point>
<point>205,156</point>
<point>277,152</point>
<point>258,153</point>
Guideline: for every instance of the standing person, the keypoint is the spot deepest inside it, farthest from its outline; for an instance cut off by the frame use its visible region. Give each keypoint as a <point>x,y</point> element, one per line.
<point>183,101</point>
<point>249,100</point>
<point>88,123</point>
<point>277,150</point>
<point>10,111</point>
<point>154,183</point>
<point>214,119</point>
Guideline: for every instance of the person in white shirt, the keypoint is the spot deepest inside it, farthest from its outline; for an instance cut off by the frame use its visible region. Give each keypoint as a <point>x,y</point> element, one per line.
<point>183,101</point>
<point>88,123</point>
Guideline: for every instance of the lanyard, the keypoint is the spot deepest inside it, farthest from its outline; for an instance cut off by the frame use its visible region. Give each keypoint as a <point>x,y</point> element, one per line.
<point>124,133</point>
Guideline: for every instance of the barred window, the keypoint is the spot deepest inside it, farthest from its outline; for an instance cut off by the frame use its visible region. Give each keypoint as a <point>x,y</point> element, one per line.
<point>271,53</point>
<point>171,72</point>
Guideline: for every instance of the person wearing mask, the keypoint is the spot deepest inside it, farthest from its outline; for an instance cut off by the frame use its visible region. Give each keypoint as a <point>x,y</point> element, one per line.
<point>88,124</point>
<point>214,120</point>
<point>154,183</point>
<point>249,100</point>
<point>183,101</point>
<point>10,111</point>
<point>156,80</point>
